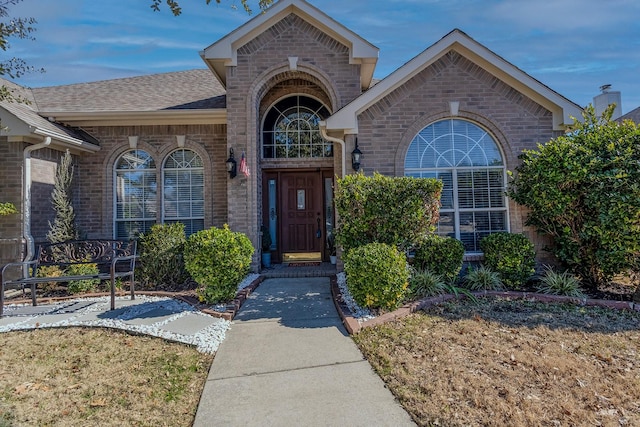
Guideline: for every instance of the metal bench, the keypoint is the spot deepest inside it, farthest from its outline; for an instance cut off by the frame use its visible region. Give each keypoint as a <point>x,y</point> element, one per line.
<point>114,259</point>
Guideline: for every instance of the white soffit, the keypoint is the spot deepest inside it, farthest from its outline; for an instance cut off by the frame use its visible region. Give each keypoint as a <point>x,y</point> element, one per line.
<point>563,110</point>
<point>223,53</point>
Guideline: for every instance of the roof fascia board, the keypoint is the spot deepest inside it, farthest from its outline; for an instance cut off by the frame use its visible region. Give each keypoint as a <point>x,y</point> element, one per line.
<point>224,52</point>
<point>65,141</point>
<point>563,110</point>
<point>128,118</point>
<point>19,130</point>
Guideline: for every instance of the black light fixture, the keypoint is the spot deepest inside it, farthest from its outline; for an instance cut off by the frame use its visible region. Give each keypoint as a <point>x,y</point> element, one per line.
<point>232,167</point>
<point>355,157</point>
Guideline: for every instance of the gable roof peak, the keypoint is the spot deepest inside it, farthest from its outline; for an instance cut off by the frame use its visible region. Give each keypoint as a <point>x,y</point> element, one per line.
<point>563,110</point>
<point>223,53</point>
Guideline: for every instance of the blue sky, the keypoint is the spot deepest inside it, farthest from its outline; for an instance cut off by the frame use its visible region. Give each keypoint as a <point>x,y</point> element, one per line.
<point>572,46</point>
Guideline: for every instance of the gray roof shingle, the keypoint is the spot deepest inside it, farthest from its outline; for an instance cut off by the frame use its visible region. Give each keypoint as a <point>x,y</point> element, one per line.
<point>193,89</point>
<point>633,115</point>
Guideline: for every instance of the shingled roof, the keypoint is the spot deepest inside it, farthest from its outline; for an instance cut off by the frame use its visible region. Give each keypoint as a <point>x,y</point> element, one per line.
<point>183,90</point>
<point>23,108</point>
<point>633,115</point>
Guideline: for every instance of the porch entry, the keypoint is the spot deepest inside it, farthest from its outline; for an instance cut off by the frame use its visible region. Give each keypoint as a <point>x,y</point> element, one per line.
<point>298,213</point>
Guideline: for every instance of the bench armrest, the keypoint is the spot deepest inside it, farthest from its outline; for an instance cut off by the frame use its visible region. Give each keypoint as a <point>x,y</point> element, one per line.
<point>21,264</point>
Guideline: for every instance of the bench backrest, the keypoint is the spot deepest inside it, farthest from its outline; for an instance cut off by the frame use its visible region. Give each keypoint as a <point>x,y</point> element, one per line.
<point>84,251</point>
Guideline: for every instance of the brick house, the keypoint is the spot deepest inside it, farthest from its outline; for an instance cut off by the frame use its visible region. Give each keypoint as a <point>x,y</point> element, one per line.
<point>290,95</point>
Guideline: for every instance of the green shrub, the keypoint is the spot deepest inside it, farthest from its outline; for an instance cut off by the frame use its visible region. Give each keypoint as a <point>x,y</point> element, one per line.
<point>49,271</point>
<point>7,209</point>
<point>583,190</point>
<point>510,255</point>
<point>553,283</point>
<point>440,255</point>
<point>424,283</point>
<point>218,259</point>
<point>483,279</point>
<point>377,275</point>
<point>80,286</point>
<point>161,258</point>
<point>398,211</point>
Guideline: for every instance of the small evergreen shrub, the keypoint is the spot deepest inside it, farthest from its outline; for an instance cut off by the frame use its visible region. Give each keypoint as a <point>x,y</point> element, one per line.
<point>377,275</point>
<point>510,255</point>
<point>441,256</point>
<point>80,286</point>
<point>424,283</point>
<point>218,259</point>
<point>483,279</point>
<point>161,258</point>
<point>49,271</point>
<point>553,283</point>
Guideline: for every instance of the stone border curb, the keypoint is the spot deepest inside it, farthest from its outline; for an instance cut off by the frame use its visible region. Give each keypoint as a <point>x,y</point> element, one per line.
<point>353,326</point>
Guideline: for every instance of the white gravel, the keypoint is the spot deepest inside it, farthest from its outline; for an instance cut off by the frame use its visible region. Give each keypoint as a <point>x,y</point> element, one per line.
<point>359,313</point>
<point>206,340</point>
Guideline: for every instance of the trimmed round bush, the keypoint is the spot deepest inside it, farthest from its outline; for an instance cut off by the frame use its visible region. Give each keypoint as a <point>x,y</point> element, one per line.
<point>441,256</point>
<point>510,255</point>
<point>377,275</point>
<point>218,259</point>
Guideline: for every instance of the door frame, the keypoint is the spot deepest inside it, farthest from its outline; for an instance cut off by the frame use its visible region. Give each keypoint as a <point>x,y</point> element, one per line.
<point>269,174</point>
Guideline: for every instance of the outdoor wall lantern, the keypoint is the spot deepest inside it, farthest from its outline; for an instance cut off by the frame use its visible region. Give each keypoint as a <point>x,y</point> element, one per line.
<point>232,167</point>
<point>355,157</point>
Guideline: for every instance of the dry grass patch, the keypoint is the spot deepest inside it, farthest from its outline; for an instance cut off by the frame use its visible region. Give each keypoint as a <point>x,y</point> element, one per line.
<point>77,376</point>
<point>515,363</point>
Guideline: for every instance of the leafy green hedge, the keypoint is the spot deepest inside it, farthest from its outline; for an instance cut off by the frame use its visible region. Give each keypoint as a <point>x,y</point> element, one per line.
<point>161,258</point>
<point>583,190</point>
<point>440,255</point>
<point>377,275</point>
<point>218,259</point>
<point>398,211</point>
<point>512,256</point>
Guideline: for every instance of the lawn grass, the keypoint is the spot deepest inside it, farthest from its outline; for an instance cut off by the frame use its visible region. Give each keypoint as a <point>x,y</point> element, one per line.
<point>101,377</point>
<point>515,363</point>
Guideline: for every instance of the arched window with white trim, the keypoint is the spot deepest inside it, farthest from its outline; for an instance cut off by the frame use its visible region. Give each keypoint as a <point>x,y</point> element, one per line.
<point>468,161</point>
<point>183,190</point>
<point>291,129</point>
<point>135,189</point>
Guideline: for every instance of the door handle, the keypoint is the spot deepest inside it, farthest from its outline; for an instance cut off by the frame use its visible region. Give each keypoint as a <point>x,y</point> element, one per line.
<point>318,231</point>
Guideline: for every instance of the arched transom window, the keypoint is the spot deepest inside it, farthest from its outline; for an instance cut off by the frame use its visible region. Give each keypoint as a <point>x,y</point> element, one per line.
<point>183,190</point>
<point>469,163</point>
<point>291,129</point>
<point>135,194</point>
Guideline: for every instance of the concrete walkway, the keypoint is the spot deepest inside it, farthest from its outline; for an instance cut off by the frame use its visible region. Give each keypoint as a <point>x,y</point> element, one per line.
<point>287,361</point>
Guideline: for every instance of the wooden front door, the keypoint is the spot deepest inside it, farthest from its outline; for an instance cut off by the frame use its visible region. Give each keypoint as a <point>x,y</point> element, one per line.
<point>302,223</point>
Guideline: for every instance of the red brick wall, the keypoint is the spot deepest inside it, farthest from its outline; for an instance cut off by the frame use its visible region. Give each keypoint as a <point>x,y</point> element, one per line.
<point>95,171</point>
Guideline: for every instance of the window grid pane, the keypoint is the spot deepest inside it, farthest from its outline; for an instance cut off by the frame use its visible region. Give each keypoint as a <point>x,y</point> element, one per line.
<point>135,190</point>
<point>468,161</point>
<point>183,190</point>
<point>291,130</point>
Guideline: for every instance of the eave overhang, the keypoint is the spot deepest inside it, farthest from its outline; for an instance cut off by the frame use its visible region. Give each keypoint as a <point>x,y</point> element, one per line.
<point>140,118</point>
<point>18,130</point>
<point>224,52</point>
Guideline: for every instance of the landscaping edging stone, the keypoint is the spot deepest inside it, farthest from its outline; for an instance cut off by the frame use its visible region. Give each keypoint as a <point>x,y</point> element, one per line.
<point>353,326</point>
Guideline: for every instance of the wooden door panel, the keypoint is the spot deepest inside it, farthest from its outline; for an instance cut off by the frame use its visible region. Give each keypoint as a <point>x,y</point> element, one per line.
<point>301,208</point>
